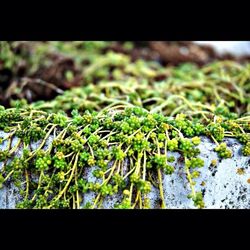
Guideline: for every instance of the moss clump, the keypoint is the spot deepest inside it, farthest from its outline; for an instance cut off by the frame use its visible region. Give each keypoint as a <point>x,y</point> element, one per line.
<point>123,110</point>
<point>53,176</point>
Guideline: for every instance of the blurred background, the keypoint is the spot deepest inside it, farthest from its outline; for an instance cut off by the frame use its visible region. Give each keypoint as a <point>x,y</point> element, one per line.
<point>42,70</point>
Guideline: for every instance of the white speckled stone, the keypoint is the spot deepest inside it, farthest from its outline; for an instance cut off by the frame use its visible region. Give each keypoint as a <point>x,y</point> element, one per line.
<point>224,187</point>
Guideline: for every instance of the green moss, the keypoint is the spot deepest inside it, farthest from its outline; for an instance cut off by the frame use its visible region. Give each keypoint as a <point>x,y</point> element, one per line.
<point>59,167</point>
<point>122,112</point>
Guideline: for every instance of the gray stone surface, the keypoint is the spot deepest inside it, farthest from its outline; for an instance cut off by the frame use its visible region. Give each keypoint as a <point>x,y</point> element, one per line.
<point>224,186</point>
